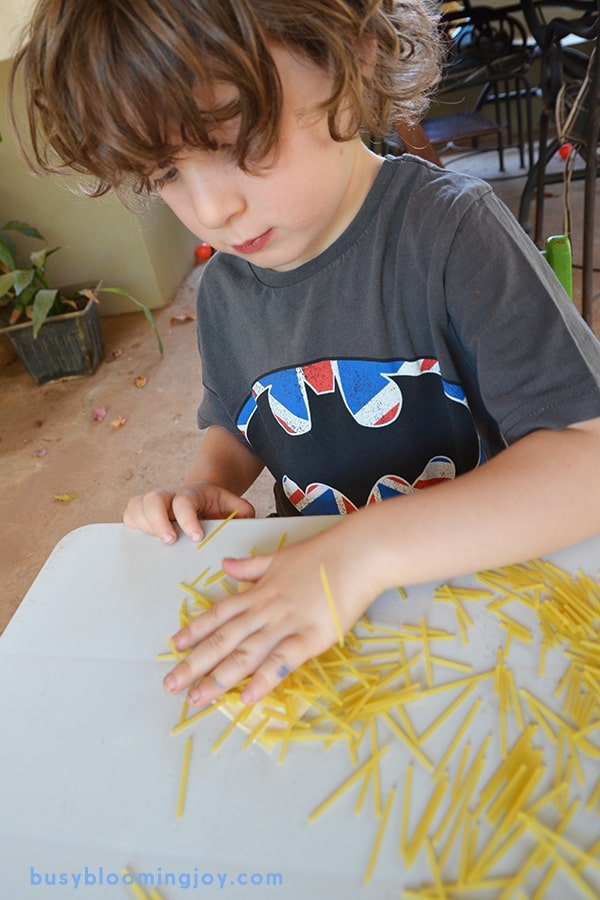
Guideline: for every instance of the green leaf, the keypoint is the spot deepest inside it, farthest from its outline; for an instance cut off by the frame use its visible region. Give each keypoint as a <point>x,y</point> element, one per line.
<point>22,278</point>
<point>7,252</point>
<point>22,228</point>
<point>6,283</point>
<point>38,258</point>
<point>26,298</point>
<point>43,303</point>
<point>138,303</point>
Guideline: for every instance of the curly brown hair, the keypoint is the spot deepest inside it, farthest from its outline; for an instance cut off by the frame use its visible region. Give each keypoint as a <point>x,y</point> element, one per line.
<point>104,80</point>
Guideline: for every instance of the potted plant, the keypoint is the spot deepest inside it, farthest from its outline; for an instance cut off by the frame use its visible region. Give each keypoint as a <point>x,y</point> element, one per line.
<point>55,332</point>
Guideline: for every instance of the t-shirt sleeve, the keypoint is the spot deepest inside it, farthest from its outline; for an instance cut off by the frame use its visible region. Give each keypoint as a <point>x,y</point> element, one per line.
<point>535,361</point>
<point>212,337</point>
<point>211,411</point>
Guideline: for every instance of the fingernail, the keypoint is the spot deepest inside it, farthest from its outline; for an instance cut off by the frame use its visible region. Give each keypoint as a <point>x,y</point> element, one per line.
<point>248,697</point>
<point>170,683</point>
<point>197,536</point>
<point>168,538</point>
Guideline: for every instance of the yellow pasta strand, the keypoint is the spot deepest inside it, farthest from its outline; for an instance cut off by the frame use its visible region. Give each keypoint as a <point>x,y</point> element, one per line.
<point>332,609</point>
<point>447,712</point>
<point>457,889</point>
<point>462,682</point>
<point>178,654</point>
<point>256,731</point>
<point>363,791</point>
<point>466,722</point>
<point>216,530</point>
<point>192,719</point>
<point>406,740</point>
<point>594,797</point>
<point>545,836</point>
<point>435,870</point>
<point>348,783</point>
<point>406,809</point>
<point>375,770</point>
<point>426,819</point>
<point>467,790</point>
<point>184,777</point>
<point>218,576</point>
<point>380,833</point>
<point>238,720</point>
<point>426,652</point>
<point>451,664</point>
<point>134,886</point>
<point>554,838</point>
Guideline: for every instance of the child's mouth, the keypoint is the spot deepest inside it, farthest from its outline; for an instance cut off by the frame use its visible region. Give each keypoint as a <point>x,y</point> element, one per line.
<point>255,244</point>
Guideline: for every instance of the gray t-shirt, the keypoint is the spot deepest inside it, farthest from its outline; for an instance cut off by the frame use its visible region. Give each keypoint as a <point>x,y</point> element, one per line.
<point>425,339</point>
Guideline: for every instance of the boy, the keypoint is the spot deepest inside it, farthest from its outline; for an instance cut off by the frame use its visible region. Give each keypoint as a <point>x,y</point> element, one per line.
<point>369,327</point>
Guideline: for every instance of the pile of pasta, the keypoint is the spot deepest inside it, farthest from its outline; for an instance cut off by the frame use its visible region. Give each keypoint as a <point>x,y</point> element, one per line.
<point>373,692</point>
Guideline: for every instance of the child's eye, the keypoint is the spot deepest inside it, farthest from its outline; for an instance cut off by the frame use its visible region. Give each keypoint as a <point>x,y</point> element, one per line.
<point>167,177</point>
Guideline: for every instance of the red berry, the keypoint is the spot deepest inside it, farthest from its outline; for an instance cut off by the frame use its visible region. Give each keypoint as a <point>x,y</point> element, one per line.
<point>565,150</point>
<point>203,251</point>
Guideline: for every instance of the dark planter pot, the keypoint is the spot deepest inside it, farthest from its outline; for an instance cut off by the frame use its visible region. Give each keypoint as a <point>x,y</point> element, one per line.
<point>67,345</point>
<point>7,352</point>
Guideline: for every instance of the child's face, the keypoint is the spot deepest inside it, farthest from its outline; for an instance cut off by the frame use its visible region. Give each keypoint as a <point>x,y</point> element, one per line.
<point>298,204</point>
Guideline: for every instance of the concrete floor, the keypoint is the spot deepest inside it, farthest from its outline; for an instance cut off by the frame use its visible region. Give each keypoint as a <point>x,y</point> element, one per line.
<point>50,444</point>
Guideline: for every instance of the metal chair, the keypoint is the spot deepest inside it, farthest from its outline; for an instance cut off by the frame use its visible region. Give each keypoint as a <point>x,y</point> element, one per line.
<point>488,49</point>
<point>570,83</point>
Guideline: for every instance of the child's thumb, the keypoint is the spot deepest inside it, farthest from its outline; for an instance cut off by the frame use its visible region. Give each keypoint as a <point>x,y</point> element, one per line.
<point>252,568</point>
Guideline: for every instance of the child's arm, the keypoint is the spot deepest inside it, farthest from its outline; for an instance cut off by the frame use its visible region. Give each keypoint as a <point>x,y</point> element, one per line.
<point>538,495</point>
<point>222,472</point>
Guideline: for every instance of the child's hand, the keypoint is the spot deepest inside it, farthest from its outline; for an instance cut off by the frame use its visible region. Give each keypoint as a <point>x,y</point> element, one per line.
<point>276,625</point>
<point>156,511</point>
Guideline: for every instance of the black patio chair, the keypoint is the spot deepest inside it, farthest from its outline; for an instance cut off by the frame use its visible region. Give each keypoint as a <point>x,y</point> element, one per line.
<point>488,50</point>
<point>570,88</point>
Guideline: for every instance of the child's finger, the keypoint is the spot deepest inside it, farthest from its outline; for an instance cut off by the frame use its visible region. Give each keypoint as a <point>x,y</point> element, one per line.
<point>213,636</point>
<point>250,568</point>
<point>214,619</point>
<point>151,513</point>
<point>193,503</point>
<point>185,511</point>
<point>248,657</point>
<point>283,659</point>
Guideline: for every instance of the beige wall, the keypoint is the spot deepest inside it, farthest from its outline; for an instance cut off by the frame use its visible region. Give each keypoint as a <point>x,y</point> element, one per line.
<point>13,17</point>
<point>147,256</point>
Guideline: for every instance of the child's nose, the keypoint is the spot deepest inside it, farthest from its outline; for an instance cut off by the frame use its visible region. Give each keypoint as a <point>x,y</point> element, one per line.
<point>218,202</point>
